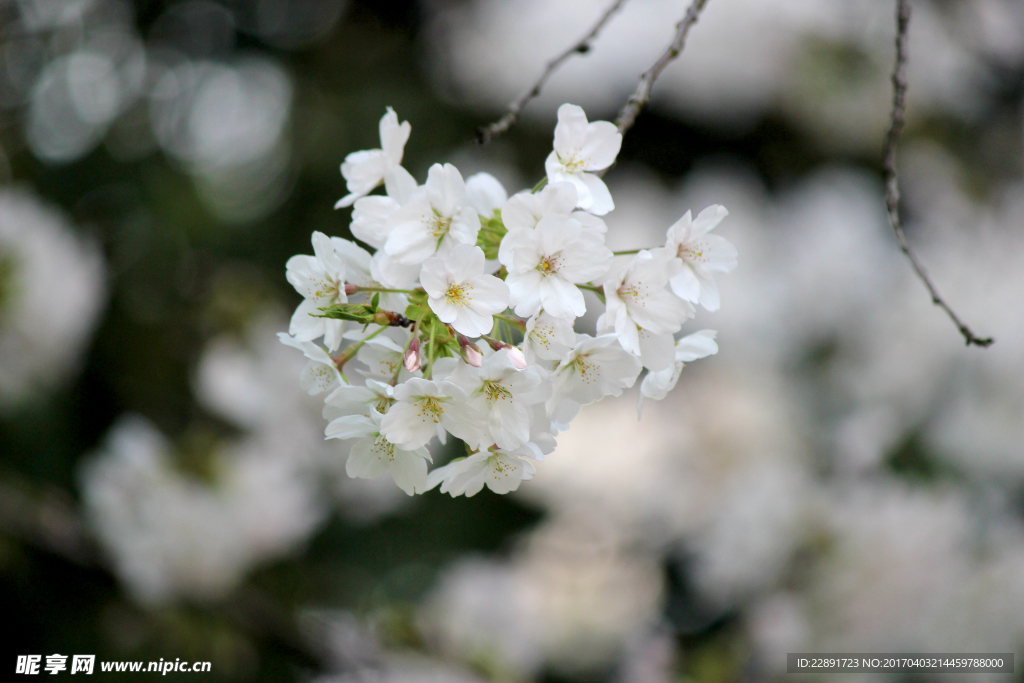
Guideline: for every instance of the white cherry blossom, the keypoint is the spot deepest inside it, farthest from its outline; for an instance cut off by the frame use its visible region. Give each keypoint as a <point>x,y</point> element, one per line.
<point>545,265</point>
<point>382,355</point>
<point>365,170</point>
<point>460,293</point>
<point>435,223</point>
<point>485,194</point>
<point>505,398</point>
<point>502,472</point>
<point>524,210</point>
<point>501,392</point>
<point>424,405</point>
<point>656,385</point>
<point>595,368</point>
<point>580,149</point>
<point>638,300</point>
<point>547,337</point>
<point>320,373</point>
<point>370,215</point>
<point>372,454</point>
<point>351,399</point>
<point>320,279</point>
<point>701,254</point>
<point>360,270</point>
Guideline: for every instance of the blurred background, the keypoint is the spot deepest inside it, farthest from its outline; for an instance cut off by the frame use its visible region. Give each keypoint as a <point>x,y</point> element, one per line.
<point>843,476</point>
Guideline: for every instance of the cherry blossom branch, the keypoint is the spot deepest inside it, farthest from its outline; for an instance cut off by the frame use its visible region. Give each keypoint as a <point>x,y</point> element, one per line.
<point>642,96</point>
<point>892,192</point>
<point>485,134</point>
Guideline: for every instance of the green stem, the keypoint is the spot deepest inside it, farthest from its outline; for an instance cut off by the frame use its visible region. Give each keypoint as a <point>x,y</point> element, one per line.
<point>628,251</point>
<point>350,352</point>
<point>428,373</point>
<point>595,289</point>
<point>539,186</point>
<point>517,323</point>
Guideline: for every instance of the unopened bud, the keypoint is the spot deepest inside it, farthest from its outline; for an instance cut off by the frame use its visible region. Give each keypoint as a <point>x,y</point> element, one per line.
<point>412,356</point>
<point>351,289</point>
<point>470,351</point>
<point>517,357</point>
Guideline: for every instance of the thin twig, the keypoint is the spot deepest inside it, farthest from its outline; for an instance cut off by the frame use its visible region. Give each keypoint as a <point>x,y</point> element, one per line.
<point>642,95</point>
<point>485,134</point>
<point>892,192</point>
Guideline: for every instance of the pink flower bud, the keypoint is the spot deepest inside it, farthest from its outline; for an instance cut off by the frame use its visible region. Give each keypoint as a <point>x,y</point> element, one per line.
<point>351,289</point>
<point>470,351</point>
<point>412,356</point>
<point>517,357</point>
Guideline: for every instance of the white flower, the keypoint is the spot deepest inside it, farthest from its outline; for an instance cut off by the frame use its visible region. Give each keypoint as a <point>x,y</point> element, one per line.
<point>638,300</point>
<point>485,194</point>
<point>423,405</point>
<point>321,280</point>
<point>383,356</point>
<point>581,147</point>
<point>320,373</point>
<point>524,210</point>
<point>355,400</point>
<point>656,385</point>
<point>370,215</point>
<point>360,270</point>
<point>52,290</point>
<point>502,471</point>
<point>595,368</point>
<point>542,438</point>
<point>545,265</point>
<point>373,455</point>
<point>365,170</point>
<point>435,223</point>
<point>702,254</point>
<point>547,337</point>
<point>460,293</point>
<point>501,392</point>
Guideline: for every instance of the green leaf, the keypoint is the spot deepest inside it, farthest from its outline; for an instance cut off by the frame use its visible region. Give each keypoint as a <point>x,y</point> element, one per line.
<point>438,328</point>
<point>375,302</point>
<point>414,312</point>
<point>356,312</point>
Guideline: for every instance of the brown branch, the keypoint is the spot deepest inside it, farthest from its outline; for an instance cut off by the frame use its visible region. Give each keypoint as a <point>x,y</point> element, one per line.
<point>485,134</point>
<point>642,96</point>
<point>892,192</point>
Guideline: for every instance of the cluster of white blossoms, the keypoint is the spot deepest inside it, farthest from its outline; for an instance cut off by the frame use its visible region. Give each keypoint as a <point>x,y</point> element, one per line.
<point>465,307</point>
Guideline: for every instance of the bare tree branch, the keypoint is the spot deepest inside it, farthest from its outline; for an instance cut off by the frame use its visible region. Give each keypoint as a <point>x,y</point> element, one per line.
<point>892,192</point>
<point>484,134</point>
<point>642,96</point>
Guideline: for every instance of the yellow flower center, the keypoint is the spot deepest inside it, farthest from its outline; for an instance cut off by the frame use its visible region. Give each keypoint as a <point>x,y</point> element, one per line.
<point>550,264</point>
<point>586,369</point>
<point>573,163</point>
<point>431,408</point>
<point>692,252</point>
<point>383,448</point>
<point>439,226</point>
<point>458,295</point>
<point>494,391</point>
